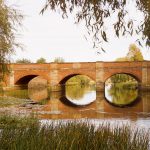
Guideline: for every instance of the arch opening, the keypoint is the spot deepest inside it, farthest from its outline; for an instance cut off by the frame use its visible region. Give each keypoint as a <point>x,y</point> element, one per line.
<point>79,90</point>
<point>122,89</point>
<point>25,80</point>
<point>64,80</point>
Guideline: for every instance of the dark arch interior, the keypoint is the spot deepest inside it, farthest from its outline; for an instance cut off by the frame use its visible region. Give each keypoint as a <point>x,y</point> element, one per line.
<point>25,80</point>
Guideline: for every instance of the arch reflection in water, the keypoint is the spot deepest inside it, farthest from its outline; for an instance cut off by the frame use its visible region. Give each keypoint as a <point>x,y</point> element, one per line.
<point>37,89</point>
<point>80,94</point>
<point>121,89</point>
<point>37,94</point>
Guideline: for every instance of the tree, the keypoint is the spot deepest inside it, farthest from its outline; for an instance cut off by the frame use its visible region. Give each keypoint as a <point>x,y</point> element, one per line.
<point>41,60</point>
<point>10,19</point>
<point>97,13</point>
<point>59,60</point>
<point>23,61</point>
<point>134,53</point>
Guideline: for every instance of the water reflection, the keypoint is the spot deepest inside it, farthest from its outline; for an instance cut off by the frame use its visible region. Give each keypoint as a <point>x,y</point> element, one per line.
<point>22,94</point>
<point>118,95</point>
<point>53,107</point>
<point>80,94</point>
<point>38,94</point>
<point>121,89</point>
<point>37,89</point>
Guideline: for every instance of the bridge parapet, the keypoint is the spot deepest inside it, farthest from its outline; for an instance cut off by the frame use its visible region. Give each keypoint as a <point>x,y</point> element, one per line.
<point>74,65</point>
<point>30,67</point>
<point>54,73</point>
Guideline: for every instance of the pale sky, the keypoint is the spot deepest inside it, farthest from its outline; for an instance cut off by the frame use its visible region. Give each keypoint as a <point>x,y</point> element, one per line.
<point>50,36</point>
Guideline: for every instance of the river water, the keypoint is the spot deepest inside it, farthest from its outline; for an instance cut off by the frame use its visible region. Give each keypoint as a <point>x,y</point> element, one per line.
<point>116,104</point>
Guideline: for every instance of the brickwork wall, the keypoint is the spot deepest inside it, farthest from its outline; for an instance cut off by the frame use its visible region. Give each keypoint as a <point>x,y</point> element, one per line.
<point>54,73</point>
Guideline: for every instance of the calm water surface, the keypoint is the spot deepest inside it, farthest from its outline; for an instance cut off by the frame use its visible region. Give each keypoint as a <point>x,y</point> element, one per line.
<point>83,102</point>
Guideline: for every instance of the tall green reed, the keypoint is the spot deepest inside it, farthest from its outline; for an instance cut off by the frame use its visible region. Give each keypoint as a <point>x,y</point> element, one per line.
<point>31,135</point>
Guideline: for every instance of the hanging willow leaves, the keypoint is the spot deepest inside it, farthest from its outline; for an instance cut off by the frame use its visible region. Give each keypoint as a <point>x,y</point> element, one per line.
<point>95,13</point>
<point>10,19</point>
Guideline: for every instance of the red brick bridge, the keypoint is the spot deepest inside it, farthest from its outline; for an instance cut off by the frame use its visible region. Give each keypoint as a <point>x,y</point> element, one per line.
<point>59,73</point>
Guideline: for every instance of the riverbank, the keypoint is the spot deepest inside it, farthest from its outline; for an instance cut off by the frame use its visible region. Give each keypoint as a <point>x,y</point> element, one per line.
<point>28,133</point>
<point>17,106</point>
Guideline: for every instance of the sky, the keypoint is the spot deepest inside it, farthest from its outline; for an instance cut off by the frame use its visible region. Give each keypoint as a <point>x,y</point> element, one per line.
<point>49,36</point>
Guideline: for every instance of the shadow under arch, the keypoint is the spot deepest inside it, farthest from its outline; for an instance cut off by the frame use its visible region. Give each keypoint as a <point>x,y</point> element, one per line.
<point>134,101</point>
<point>23,81</point>
<point>67,102</point>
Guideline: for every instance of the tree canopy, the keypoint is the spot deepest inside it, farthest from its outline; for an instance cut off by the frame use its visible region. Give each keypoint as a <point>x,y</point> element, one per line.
<point>59,60</point>
<point>41,60</point>
<point>134,54</point>
<point>23,61</point>
<point>98,13</point>
<point>10,19</point>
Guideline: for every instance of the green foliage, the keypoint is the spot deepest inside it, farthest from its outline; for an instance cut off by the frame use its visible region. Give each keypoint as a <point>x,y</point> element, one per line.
<point>4,69</point>
<point>134,53</point>
<point>10,18</point>
<point>78,85</point>
<point>13,122</point>
<point>78,91</point>
<point>59,60</point>
<point>13,97</point>
<point>117,78</point>
<point>41,60</point>
<point>123,94</point>
<point>23,61</point>
<point>79,79</point>
<point>95,13</point>
<point>26,134</point>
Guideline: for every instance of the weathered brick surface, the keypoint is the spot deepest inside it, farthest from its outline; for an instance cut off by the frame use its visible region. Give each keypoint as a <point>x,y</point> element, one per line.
<point>56,73</point>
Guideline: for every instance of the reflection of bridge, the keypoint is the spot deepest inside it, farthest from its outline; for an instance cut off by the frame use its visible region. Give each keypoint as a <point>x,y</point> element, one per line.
<point>100,108</point>
<point>59,73</point>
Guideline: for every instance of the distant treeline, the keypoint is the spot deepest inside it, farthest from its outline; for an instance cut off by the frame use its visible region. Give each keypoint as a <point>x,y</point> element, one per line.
<point>118,78</point>
<point>80,79</point>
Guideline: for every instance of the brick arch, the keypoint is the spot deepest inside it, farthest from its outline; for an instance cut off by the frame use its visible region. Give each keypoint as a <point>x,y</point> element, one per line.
<point>25,78</point>
<point>67,77</point>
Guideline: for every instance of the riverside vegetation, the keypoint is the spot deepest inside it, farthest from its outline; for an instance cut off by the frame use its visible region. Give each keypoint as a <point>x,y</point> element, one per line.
<point>28,133</point>
<point>13,97</point>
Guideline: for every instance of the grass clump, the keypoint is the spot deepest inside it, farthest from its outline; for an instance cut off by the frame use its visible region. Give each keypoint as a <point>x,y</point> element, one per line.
<point>70,136</point>
<point>11,101</point>
<point>15,122</point>
<point>13,97</point>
